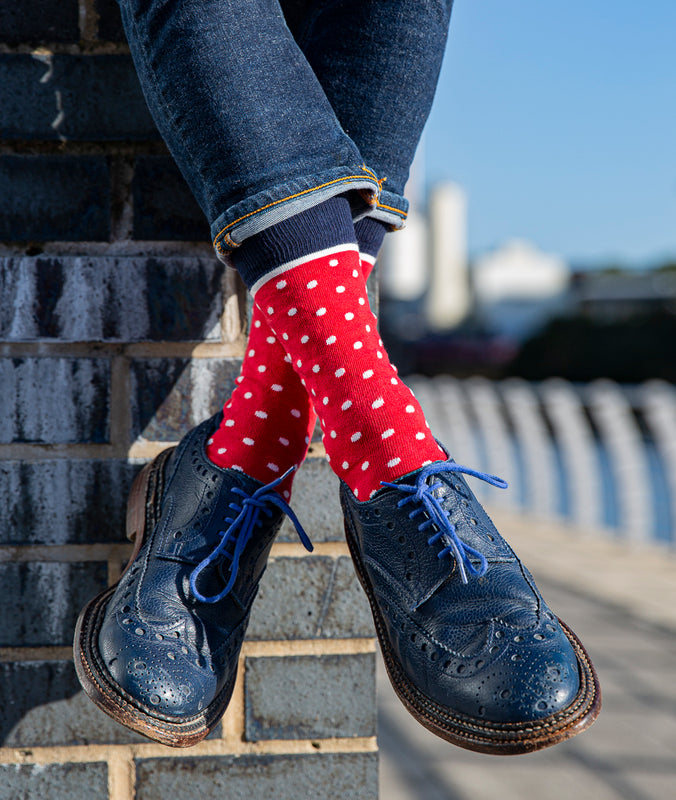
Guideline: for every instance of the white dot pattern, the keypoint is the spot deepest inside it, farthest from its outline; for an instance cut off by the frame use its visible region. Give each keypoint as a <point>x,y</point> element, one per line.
<point>346,372</point>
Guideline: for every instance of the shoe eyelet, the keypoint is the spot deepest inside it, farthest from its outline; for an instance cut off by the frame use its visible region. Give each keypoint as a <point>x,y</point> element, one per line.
<point>408,576</point>
<point>126,621</point>
<point>126,609</point>
<point>140,632</point>
<point>479,663</point>
<point>490,537</point>
<point>414,636</point>
<point>518,638</point>
<point>402,540</point>
<point>423,647</point>
<point>434,656</point>
<point>159,637</point>
<point>494,649</point>
<point>498,634</point>
<point>505,693</point>
<point>376,512</point>
<point>539,637</point>
<point>390,526</point>
<point>171,656</point>
<point>410,554</point>
<point>460,669</point>
<point>178,534</point>
<point>473,521</point>
<point>517,657</point>
<point>447,664</point>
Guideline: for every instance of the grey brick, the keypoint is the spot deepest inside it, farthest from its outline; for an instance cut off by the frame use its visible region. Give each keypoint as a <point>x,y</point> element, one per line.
<point>32,21</point>
<point>110,22</point>
<point>72,721</point>
<point>45,599</point>
<point>64,502</point>
<point>69,721</point>
<point>54,781</point>
<point>172,395</point>
<point>308,598</point>
<point>317,503</point>
<point>50,400</point>
<point>29,684</point>
<point>330,776</point>
<point>72,98</point>
<point>64,198</point>
<point>134,298</point>
<point>348,613</point>
<point>164,207</point>
<point>304,697</point>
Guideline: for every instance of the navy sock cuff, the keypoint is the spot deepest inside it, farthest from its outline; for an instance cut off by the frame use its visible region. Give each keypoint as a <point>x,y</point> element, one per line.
<point>370,234</point>
<point>326,225</point>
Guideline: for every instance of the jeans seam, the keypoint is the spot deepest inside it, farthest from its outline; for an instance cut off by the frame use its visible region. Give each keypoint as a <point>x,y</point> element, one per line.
<point>223,231</point>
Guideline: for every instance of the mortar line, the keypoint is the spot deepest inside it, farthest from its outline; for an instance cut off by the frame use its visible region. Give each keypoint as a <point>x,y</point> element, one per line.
<point>65,552</point>
<point>309,647</point>
<point>296,550</point>
<point>234,717</point>
<point>121,776</point>
<point>20,654</point>
<point>120,551</point>
<point>209,747</point>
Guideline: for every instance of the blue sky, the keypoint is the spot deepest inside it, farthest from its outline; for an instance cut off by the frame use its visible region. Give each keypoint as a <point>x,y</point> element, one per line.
<point>559,120</point>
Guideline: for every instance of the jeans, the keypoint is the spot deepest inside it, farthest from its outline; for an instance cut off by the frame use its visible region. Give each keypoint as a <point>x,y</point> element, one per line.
<point>270,108</point>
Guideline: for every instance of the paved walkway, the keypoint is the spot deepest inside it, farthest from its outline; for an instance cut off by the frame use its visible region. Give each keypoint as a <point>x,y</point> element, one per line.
<point>622,604</point>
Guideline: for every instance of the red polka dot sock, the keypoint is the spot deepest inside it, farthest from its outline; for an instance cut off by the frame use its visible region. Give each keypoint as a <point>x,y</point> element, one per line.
<point>374,429</point>
<point>269,419</point>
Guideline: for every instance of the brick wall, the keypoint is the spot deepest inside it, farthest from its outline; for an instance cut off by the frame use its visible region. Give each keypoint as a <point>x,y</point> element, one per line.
<point>119,330</point>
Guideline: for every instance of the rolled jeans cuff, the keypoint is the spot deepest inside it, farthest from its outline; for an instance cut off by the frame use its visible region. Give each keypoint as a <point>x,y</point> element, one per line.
<point>261,210</point>
<point>390,208</point>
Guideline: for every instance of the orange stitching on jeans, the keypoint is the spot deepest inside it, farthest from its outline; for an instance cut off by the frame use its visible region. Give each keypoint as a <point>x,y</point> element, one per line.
<point>283,199</point>
<point>392,208</point>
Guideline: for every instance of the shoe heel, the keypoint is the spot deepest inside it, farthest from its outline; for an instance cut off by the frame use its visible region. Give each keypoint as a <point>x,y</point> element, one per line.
<point>145,496</point>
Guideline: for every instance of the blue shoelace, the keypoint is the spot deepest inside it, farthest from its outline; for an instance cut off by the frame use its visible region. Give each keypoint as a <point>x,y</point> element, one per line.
<point>422,494</point>
<point>241,529</point>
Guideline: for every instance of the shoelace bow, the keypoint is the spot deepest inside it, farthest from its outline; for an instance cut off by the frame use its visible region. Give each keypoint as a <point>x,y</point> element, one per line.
<point>240,531</point>
<point>422,494</point>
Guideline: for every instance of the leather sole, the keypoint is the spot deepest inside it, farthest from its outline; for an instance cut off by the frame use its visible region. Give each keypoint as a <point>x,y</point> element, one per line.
<point>482,736</point>
<point>143,511</point>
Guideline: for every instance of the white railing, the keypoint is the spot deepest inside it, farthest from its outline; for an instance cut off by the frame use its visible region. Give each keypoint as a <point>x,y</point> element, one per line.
<point>600,454</point>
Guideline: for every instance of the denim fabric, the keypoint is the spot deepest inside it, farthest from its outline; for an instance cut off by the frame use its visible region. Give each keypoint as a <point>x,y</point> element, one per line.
<point>264,125</point>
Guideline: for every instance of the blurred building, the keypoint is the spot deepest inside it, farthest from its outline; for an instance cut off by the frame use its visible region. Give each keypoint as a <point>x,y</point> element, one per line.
<point>517,288</point>
<point>619,295</point>
<point>448,300</point>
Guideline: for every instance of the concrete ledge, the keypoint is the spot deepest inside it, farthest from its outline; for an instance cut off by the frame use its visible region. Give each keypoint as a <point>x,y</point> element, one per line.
<point>639,579</point>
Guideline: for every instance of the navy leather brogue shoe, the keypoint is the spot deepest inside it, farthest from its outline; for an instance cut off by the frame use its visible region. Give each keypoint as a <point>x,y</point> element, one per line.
<point>159,650</point>
<point>470,646</point>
